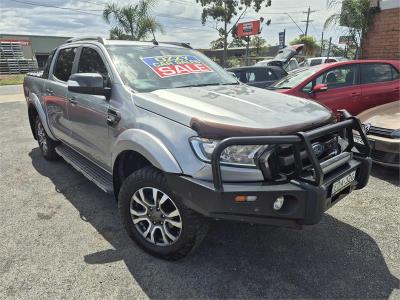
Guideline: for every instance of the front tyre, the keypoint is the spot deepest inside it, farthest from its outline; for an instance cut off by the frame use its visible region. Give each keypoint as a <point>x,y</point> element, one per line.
<point>46,144</point>
<point>156,219</point>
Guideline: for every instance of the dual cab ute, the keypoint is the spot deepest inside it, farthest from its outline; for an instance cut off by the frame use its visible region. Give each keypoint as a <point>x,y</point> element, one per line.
<point>179,141</point>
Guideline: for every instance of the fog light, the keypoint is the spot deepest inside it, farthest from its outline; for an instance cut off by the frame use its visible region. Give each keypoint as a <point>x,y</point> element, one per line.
<point>278,203</point>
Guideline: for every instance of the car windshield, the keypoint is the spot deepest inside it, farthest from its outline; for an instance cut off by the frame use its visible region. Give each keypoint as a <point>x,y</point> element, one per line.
<point>146,68</point>
<point>294,78</point>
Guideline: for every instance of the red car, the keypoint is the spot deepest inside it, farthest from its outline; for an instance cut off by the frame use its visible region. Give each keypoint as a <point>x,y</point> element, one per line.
<point>353,85</point>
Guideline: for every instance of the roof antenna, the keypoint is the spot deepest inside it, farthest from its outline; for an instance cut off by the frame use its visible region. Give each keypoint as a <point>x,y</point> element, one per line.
<point>154,37</point>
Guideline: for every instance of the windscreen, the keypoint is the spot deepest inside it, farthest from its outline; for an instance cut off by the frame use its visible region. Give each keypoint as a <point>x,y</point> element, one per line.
<point>293,79</point>
<point>149,68</point>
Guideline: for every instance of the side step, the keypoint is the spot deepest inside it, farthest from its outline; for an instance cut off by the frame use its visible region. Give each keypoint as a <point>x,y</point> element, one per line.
<point>92,172</point>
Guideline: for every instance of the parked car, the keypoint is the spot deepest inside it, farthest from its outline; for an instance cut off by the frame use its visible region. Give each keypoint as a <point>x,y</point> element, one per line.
<point>258,76</point>
<point>179,141</point>
<point>290,66</point>
<point>284,58</point>
<point>352,85</point>
<point>313,61</point>
<point>382,126</point>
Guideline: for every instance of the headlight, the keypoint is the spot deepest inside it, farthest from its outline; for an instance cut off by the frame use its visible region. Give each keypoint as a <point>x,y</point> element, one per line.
<point>233,155</point>
<point>395,134</point>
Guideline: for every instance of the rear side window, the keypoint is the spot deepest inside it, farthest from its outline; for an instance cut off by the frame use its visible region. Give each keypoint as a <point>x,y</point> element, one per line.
<point>46,69</point>
<point>91,62</point>
<point>64,63</point>
<point>372,73</point>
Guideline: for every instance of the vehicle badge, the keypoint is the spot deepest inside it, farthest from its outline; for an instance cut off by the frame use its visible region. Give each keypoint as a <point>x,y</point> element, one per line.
<point>366,127</point>
<point>318,149</point>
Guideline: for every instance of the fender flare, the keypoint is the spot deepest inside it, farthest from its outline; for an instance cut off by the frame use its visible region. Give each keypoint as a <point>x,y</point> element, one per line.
<point>34,100</point>
<point>147,145</point>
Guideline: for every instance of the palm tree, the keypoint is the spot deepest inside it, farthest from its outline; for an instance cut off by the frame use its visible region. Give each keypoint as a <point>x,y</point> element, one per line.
<point>131,22</point>
<point>356,15</point>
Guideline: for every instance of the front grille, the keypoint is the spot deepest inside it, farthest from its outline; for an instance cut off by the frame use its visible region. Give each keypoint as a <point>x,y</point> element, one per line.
<point>379,131</point>
<point>282,161</point>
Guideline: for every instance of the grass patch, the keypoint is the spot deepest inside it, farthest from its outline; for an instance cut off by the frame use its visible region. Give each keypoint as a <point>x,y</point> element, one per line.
<point>11,79</point>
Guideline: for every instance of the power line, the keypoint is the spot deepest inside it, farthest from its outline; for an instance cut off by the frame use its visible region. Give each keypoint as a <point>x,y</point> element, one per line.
<point>58,7</point>
<point>308,12</point>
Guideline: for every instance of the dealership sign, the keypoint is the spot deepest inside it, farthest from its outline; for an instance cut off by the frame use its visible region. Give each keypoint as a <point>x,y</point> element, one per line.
<point>173,65</point>
<point>21,42</point>
<point>248,28</point>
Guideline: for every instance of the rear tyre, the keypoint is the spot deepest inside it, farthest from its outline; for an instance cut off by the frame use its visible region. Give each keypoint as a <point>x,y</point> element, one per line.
<point>156,219</point>
<point>47,145</point>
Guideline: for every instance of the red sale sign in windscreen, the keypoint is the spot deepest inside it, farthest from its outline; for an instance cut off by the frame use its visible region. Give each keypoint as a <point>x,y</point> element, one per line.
<point>248,28</point>
<point>173,65</point>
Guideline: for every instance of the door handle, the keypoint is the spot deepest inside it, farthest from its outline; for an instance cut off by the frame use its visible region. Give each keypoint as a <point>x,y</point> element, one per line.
<point>49,91</point>
<point>113,117</point>
<point>72,100</point>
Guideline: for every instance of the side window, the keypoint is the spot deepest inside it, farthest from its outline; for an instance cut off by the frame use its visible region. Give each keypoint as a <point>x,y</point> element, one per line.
<point>46,69</point>
<point>270,75</point>
<point>371,73</point>
<point>64,63</point>
<point>329,60</point>
<point>315,62</point>
<point>91,62</point>
<point>338,77</point>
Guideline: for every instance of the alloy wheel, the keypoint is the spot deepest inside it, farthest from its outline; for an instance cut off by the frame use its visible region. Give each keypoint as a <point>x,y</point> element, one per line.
<point>155,216</point>
<point>42,138</point>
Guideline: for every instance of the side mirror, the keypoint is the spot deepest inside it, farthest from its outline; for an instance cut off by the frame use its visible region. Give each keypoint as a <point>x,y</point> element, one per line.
<point>320,87</point>
<point>88,83</point>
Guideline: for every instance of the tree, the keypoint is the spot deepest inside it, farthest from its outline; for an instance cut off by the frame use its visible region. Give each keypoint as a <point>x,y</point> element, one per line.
<point>258,43</point>
<point>224,11</point>
<point>356,15</point>
<point>217,44</point>
<point>131,22</point>
<point>310,45</point>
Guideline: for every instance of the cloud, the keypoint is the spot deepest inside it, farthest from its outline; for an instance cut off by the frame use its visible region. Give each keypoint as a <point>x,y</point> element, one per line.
<point>180,19</point>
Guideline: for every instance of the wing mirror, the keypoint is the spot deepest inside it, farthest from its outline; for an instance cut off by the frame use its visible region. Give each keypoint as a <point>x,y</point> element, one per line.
<point>320,87</point>
<point>88,83</point>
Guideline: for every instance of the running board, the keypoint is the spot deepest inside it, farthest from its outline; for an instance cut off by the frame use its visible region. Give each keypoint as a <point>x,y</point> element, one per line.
<point>88,169</point>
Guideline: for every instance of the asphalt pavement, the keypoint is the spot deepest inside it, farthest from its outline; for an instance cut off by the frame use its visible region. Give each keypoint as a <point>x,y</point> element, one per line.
<point>60,237</point>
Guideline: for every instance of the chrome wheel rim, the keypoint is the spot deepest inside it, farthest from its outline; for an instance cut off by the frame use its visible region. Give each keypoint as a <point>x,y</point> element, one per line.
<point>155,216</point>
<point>42,139</point>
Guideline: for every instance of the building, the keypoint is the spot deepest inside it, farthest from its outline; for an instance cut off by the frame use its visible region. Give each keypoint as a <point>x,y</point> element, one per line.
<point>383,37</point>
<point>33,46</point>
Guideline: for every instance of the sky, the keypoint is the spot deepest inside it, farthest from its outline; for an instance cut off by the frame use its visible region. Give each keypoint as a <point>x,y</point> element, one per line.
<point>179,18</point>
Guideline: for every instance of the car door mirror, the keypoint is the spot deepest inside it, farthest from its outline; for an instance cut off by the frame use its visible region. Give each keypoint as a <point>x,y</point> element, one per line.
<point>88,83</point>
<point>320,87</point>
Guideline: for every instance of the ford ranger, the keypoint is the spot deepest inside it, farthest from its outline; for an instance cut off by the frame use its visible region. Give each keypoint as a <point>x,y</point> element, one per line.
<point>179,141</point>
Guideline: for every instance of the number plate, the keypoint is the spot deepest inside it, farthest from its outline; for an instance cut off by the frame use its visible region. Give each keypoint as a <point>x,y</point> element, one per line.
<point>357,139</point>
<point>343,182</point>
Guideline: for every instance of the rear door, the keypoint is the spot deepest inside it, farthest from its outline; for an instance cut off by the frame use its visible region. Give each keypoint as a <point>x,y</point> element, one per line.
<point>379,84</point>
<point>55,93</point>
<point>344,91</point>
<point>88,113</point>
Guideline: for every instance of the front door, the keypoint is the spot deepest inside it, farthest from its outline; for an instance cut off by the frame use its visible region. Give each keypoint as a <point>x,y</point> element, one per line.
<point>344,91</point>
<point>55,95</point>
<point>88,113</point>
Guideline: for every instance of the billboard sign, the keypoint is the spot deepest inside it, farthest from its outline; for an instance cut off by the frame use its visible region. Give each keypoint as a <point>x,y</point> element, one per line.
<point>248,28</point>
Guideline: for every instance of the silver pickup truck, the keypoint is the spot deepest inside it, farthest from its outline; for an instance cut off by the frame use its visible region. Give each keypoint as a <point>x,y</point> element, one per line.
<point>179,141</point>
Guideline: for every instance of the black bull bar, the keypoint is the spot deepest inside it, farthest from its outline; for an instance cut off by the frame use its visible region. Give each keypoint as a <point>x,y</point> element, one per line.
<point>343,128</point>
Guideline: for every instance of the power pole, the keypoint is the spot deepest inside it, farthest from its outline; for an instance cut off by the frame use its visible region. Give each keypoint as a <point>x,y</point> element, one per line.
<point>322,43</point>
<point>308,12</point>
<point>329,48</point>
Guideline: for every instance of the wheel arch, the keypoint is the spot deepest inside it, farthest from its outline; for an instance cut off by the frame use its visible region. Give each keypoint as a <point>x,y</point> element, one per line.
<point>36,109</point>
<point>136,148</point>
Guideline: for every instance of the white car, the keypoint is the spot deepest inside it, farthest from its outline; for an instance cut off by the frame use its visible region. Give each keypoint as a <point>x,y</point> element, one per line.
<point>290,66</point>
<point>313,61</point>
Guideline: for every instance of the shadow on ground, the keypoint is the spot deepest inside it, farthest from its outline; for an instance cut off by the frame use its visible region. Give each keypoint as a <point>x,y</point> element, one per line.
<point>329,260</point>
<point>390,175</point>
